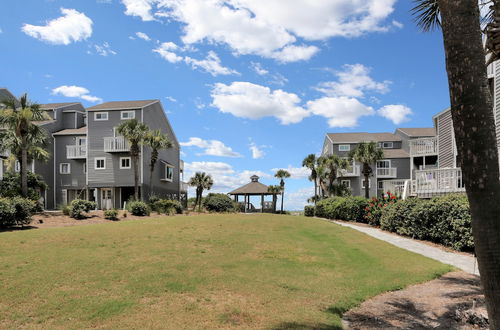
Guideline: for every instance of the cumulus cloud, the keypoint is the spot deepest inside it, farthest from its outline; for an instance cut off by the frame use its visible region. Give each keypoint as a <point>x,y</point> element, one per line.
<point>75,91</point>
<point>73,26</point>
<point>211,147</point>
<point>257,67</point>
<point>143,36</point>
<point>247,100</point>
<point>396,113</point>
<point>295,172</point>
<point>275,78</point>
<point>269,28</point>
<point>340,111</point>
<point>167,51</point>
<point>256,150</point>
<point>296,200</point>
<point>353,81</point>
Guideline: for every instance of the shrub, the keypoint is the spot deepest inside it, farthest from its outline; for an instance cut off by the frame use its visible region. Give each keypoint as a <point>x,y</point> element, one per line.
<point>167,206</point>
<point>138,208</point>
<point>7,213</point>
<point>111,214</point>
<point>342,208</point>
<point>309,211</point>
<point>394,216</point>
<point>375,206</point>
<point>78,207</point>
<point>218,203</point>
<point>65,209</point>
<point>16,211</point>
<point>10,185</point>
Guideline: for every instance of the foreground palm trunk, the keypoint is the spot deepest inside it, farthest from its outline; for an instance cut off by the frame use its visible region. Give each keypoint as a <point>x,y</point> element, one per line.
<point>473,121</point>
<point>24,169</point>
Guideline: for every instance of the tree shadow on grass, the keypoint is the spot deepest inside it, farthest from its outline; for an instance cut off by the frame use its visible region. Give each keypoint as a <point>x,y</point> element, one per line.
<point>338,311</point>
<point>11,229</point>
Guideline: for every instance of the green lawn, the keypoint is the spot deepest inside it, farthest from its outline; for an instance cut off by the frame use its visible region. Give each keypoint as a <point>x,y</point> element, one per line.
<point>197,272</point>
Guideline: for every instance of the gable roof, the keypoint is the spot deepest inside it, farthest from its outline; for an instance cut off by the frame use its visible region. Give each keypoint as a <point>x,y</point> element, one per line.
<point>121,105</point>
<point>51,106</point>
<point>395,153</point>
<point>418,131</point>
<point>362,137</point>
<point>251,188</point>
<point>72,131</point>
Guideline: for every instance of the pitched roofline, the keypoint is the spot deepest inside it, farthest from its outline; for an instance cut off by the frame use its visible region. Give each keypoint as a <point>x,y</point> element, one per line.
<point>122,108</point>
<point>440,113</point>
<point>62,106</point>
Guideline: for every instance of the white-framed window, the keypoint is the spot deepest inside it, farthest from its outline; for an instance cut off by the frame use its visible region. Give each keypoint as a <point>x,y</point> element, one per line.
<point>84,167</point>
<point>100,163</point>
<point>344,147</point>
<point>65,168</point>
<point>169,172</point>
<point>363,183</point>
<point>386,163</point>
<point>127,115</point>
<point>81,141</point>
<point>380,185</point>
<point>386,145</point>
<point>17,166</point>
<point>125,163</point>
<point>64,196</point>
<point>100,116</point>
<point>346,183</point>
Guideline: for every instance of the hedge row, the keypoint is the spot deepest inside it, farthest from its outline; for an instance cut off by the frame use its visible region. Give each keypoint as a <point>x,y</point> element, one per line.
<point>16,211</point>
<point>219,203</point>
<point>445,220</point>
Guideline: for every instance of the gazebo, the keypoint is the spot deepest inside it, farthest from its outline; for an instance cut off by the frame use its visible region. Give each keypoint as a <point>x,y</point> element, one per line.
<point>255,188</point>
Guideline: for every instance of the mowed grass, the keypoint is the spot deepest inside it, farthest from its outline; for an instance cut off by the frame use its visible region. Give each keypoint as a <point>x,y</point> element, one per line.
<point>197,272</point>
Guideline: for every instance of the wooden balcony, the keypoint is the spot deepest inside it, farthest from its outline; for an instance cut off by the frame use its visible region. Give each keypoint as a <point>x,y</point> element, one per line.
<point>116,144</point>
<point>439,181</point>
<point>396,187</point>
<point>352,171</point>
<point>424,147</point>
<point>387,172</point>
<point>76,152</point>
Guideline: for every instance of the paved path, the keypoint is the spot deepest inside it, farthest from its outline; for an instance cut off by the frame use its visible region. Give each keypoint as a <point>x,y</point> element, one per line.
<point>461,261</point>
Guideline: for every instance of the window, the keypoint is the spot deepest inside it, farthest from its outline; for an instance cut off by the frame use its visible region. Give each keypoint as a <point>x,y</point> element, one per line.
<point>127,115</point>
<point>169,172</point>
<point>369,183</point>
<point>381,185</point>
<point>100,116</point>
<point>124,163</point>
<point>384,163</point>
<point>81,141</point>
<point>344,147</point>
<point>64,196</point>
<point>17,166</point>
<point>84,167</point>
<point>346,183</point>
<point>64,168</point>
<point>100,163</point>
<point>386,145</point>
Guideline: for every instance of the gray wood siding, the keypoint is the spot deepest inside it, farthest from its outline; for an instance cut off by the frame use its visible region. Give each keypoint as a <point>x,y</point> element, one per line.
<point>68,119</point>
<point>496,98</point>
<point>445,140</point>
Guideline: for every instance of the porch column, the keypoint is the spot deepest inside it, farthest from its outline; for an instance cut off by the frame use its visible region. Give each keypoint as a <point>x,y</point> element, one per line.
<point>262,203</point>
<point>246,203</point>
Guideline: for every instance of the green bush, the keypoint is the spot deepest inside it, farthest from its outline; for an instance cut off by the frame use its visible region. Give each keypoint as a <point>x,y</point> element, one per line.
<point>111,214</point>
<point>342,208</point>
<point>375,207</point>
<point>167,206</point>
<point>395,216</point>
<point>138,208</point>
<point>65,209</point>
<point>7,213</point>
<point>16,211</point>
<point>78,207</point>
<point>309,211</point>
<point>10,185</point>
<point>218,203</point>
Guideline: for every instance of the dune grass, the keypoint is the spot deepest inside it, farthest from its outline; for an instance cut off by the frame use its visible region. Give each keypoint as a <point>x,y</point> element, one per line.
<point>198,272</point>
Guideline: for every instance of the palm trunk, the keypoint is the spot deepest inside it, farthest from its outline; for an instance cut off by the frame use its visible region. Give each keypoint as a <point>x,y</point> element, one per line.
<point>151,181</point>
<point>282,198</point>
<point>136,177</point>
<point>24,171</point>
<point>474,126</point>
<point>367,187</point>
<point>201,195</point>
<point>315,192</point>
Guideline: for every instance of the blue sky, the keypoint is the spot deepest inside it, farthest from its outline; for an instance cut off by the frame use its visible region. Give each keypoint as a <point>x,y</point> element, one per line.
<point>249,86</point>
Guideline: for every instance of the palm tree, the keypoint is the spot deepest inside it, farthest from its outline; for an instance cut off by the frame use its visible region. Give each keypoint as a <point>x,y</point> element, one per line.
<point>275,190</point>
<point>20,122</point>
<point>282,175</point>
<point>157,141</point>
<point>332,163</point>
<point>322,174</point>
<point>135,132</point>
<point>474,125</point>
<point>201,181</point>
<point>367,153</point>
<point>310,163</point>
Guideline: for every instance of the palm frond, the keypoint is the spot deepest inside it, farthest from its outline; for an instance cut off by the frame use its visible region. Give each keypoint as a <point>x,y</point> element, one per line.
<point>427,15</point>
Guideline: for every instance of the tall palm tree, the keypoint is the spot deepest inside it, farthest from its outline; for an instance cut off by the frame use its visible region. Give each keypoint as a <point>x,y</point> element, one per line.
<point>367,153</point>
<point>282,175</point>
<point>310,163</point>
<point>201,181</point>
<point>333,163</point>
<point>322,174</point>
<point>275,190</point>
<point>474,125</point>
<point>157,141</point>
<point>20,121</point>
<point>135,132</point>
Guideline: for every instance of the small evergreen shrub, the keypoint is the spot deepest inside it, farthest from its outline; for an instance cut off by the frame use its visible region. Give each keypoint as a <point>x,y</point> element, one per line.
<point>78,207</point>
<point>218,203</point>
<point>375,206</point>
<point>111,214</point>
<point>16,211</point>
<point>65,209</point>
<point>351,208</point>
<point>395,216</point>
<point>7,213</point>
<point>167,206</point>
<point>138,208</point>
<point>309,211</point>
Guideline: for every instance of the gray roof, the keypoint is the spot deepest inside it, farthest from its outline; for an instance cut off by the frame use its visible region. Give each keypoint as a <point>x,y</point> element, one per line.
<point>362,137</point>
<point>119,105</point>
<point>73,131</point>
<point>5,94</point>
<point>51,106</point>
<point>418,131</point>
<point>395,153</point>
<point>44,122</point>
<point>251,188</point>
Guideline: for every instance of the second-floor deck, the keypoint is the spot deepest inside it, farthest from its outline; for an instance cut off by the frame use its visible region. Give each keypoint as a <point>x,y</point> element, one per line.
<point>424,146</point>
<point>116,144</point>
<point>352,171</point>
<point>387,172</point>
<point>76,152</point>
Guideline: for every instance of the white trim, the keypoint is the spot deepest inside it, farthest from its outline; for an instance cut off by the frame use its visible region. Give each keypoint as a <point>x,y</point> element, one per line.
<point>129,163</point>
<point>389,143</point>
<point>166,173</point>
<point>378,184</point>
<point>100,113</point>
<point>95,163</point>
<point>64,196</point>
<point>345,145</point>
<point>61,168</point>
<point>363,183</point>
<point>127,112</point>
<point>383,160</point>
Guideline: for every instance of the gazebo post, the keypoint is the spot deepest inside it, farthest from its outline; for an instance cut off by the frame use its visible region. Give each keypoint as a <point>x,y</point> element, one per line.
<point>262,203</point>
<point>246,203</point>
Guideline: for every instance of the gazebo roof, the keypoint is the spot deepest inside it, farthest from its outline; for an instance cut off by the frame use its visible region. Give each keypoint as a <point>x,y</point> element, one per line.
<point>252,188</point>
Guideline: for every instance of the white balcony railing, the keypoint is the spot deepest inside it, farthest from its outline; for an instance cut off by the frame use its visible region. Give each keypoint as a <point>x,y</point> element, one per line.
<point>184,186</point>
<point>387,172</point>
<point>76,152</point>
<point>424,147</point>
<point>438,181</point>
<point>116,144</point>
<point>396,187</point>
<point>350,172</point>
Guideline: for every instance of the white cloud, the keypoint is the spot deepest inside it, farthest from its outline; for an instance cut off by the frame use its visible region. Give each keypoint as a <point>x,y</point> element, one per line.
<point>256,150</point>
<point>104,49</point>
<point>211,147</point>
<point>397,24</point>
<point>75,91</point>
<point>269,28</point>
<point>210,64</point>
<point>247,100</point>
<point>276,78</point>
<point>340,111</point>
<point>296,200</point>
<point>396,113</point>
<point>171,99</point>
<point>295,172</point>
<point>71,27</point>
<point>353,81</point>
<point>143,36</point>
<point>257,67</point>
<point>166,51</point>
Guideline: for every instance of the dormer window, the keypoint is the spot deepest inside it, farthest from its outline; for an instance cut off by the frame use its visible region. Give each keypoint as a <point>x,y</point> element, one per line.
<point>344,147</point>
<point>386,145</point>
<point>124,115</point>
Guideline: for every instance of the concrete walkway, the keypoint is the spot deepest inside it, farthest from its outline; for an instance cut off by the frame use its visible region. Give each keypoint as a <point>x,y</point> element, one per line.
<point>461,261</point>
